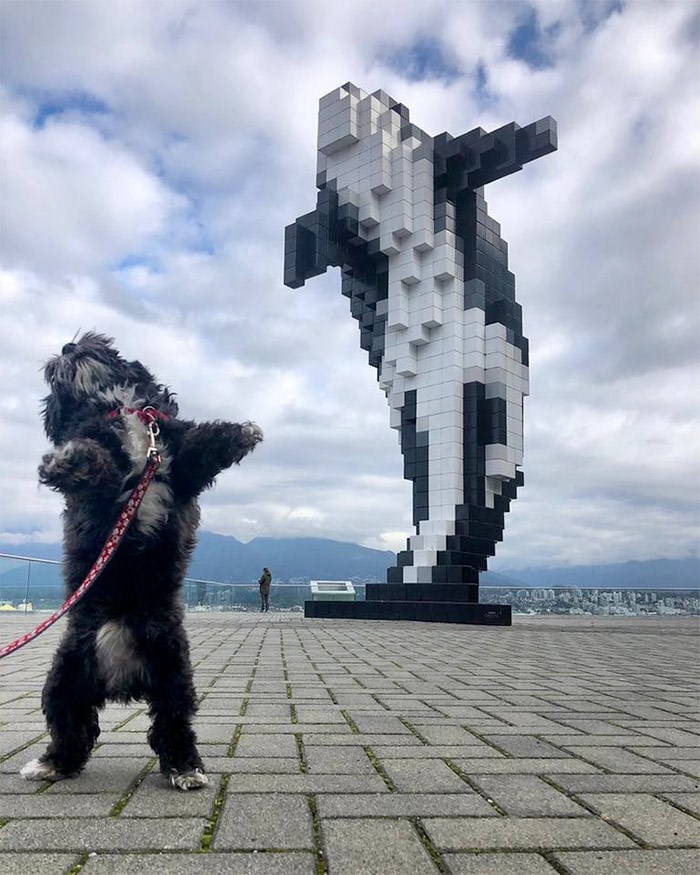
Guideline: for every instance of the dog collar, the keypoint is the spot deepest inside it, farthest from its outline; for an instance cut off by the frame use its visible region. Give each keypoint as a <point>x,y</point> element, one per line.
<point>145,414</point>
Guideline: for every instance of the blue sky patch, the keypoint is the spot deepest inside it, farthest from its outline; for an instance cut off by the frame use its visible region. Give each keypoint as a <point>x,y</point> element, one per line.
<point>482,95</point>
<point>527,42</point>
<point>594,12</point>
<point>423,59</point>
<point>149,262</point>
<point>81,102</point>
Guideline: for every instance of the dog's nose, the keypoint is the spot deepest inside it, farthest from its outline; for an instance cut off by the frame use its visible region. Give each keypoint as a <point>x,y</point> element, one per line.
<point>69,347</point>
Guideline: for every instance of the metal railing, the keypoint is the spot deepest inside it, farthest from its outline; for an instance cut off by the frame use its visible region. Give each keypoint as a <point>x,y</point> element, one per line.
<point>28,584</point>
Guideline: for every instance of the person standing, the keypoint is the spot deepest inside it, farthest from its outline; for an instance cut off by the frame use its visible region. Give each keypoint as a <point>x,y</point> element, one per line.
<point>264,584</point>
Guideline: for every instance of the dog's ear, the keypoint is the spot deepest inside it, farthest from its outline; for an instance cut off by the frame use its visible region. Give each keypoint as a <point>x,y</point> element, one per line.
<point>53,420</point>
<point>139,375</point>
<point>155,393</point>
<point>170,405</point>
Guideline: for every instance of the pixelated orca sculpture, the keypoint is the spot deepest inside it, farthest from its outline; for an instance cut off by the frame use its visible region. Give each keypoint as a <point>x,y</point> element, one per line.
<point>426,271</point>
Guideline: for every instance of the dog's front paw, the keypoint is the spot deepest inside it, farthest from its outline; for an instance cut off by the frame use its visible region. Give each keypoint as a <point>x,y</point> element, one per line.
<point>57,465</point>
<point>194,780</point>
<point>251,434</point>
<point>75,464</point>
<point>234,440</point>
<point>38,770</point>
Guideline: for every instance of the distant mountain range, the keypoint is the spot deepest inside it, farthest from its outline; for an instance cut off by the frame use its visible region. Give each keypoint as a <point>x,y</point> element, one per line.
<point>226,559</point>
<point>222,558</point>
<point>654,573</point>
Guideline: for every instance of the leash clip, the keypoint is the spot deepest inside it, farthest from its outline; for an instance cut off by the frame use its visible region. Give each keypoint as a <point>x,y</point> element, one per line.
<point>153,432</point>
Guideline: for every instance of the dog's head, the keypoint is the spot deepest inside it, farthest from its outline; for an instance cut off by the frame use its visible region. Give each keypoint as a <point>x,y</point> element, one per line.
<point>90,375</point>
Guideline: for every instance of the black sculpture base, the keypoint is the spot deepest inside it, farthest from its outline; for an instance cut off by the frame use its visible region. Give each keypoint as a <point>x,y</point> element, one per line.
<point>425,612</point>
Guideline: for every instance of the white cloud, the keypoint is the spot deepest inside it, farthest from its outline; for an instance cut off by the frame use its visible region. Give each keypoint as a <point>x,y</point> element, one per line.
<point>177,140</point>
<point>74,202</point>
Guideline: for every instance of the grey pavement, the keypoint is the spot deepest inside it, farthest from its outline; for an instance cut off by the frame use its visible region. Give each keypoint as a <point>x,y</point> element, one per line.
<point>558,745</point>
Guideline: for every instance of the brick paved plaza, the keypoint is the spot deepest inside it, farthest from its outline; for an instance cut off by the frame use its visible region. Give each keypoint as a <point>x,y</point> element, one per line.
<point>557,745</point>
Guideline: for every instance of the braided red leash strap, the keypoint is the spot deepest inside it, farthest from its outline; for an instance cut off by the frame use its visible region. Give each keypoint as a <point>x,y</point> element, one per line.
<point>113,541</point>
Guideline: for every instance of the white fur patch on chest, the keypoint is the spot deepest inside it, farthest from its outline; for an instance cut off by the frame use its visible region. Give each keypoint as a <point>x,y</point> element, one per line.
<point>118,661</point>
<point>158,500</point>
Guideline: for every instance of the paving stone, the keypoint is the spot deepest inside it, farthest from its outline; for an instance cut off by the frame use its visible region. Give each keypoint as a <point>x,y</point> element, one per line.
<point>406,705</point>
<point>309,784</point>
<point>270,710</point>
<point>625,783</point>
<point>362,702</point>
<point>405,805</point>
<point>10,740</point>
<point>103,834</point>
<point>524,833</point>
<point>589,726</point>
<point>668,754</point>
<point>44,806</point>
<point>370,847</point>
<point>124,737</point>
<point>370,739</point>
<point>629,862</point>
<point>295,728</point>
<point>524,746</point>
<point>264,820</point>
<point>215,733</point>
<point>692,767</point>
<point>155,797</point>
<point>253,765</point>
<point>446,735</point>
<point>14,783</point>
<point>691,801</point>
<point>674,736</point>
<point>468,714</point>
<point>272,745</point>
<point>338,761</point>
<point>33,727</point>
<point>531,723</point>
<point>379,724</point>
<point>650,819</point>
<point>597,741</point>
<point>528,796</point>
<point>620,761</point>
<point>14,762</point>
<point>221,863</point>
<point>498,864</point>
<point>105,775</point>
<point>422,776</point>
<point>524,766</point>
<point>108,751</point>
<point>315,714</point>
<point>214,708</point>
<point>442,751</point>
<point>36,863</point>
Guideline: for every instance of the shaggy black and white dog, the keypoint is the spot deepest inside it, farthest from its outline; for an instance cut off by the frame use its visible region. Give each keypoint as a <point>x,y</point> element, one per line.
<point>125,640</point>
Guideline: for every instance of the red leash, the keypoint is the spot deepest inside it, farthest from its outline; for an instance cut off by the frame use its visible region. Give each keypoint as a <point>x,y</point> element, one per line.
<point>108,550</point>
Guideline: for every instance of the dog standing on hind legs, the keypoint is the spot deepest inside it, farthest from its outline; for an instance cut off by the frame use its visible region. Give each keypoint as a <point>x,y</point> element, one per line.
<point>125,639</point>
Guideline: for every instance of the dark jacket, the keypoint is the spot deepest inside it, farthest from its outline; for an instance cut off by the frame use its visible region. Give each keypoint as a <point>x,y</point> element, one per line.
<point>264,582</point>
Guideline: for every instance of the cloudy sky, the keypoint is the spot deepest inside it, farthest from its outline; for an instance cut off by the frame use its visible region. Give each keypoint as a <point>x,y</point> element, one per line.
<point>152,153</point>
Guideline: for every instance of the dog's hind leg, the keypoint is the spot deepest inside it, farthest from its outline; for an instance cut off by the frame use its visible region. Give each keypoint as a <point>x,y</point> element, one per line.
<point>70,700</point>
<point>173,704</point>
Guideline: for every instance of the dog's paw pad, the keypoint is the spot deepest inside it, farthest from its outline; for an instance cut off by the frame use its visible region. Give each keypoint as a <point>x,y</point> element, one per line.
<point>194,780</point>
<point>37,770</point>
